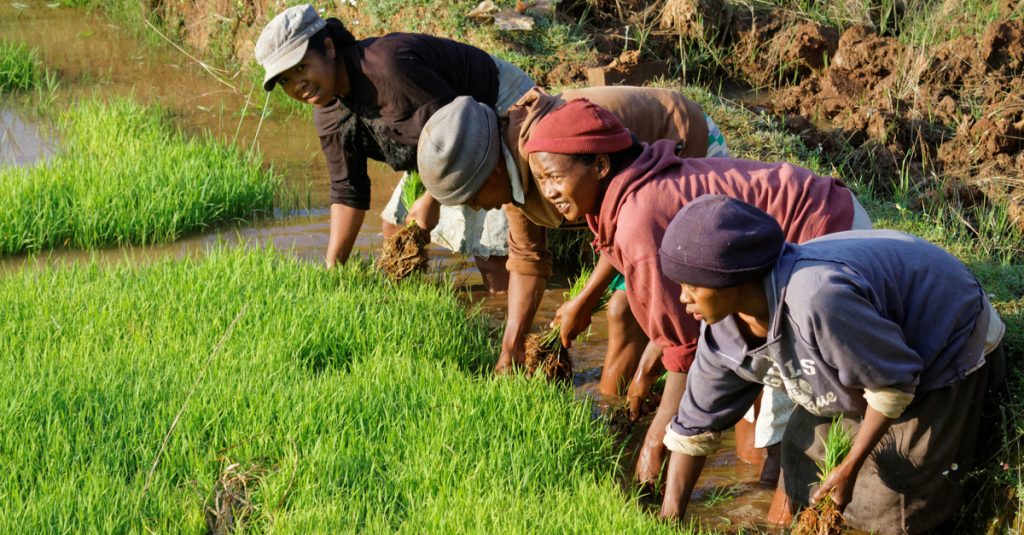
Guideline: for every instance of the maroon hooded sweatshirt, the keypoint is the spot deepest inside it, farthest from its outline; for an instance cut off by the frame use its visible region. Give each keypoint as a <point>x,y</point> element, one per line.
<point>643,198</point>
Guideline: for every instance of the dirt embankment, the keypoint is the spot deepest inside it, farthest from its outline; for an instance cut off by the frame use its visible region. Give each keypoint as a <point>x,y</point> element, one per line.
<point>955,110</point>
<point>894,112</point>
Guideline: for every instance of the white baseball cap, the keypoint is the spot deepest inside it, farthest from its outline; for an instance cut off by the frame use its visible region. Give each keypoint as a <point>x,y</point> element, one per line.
<point>284,41</point>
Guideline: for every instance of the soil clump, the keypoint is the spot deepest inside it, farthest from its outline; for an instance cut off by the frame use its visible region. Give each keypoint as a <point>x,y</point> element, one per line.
<point>822,519</point>
<point>405,253</point>
<point>553,363</point>
<point>904,113</point>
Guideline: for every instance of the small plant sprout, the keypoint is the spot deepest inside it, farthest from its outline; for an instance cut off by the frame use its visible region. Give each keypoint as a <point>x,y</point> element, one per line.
<point>545,352</point>
<point>824,518</point>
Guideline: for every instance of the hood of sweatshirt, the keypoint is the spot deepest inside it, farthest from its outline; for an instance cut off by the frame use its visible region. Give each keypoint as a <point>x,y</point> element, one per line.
<point>654,159</point>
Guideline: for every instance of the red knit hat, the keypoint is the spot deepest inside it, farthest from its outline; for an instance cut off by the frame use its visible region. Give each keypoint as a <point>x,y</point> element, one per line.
<point>579,127</point>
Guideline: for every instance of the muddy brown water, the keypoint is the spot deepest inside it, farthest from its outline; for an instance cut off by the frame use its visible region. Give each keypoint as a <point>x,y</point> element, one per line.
<point>92,56</point>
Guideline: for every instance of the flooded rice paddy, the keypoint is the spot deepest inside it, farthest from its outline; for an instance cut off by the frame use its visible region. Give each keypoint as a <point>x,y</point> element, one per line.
<point>91,56</point>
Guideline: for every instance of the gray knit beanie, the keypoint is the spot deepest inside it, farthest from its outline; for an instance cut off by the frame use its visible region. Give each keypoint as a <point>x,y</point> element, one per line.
<point>718,242</point>
<point>458,150</point>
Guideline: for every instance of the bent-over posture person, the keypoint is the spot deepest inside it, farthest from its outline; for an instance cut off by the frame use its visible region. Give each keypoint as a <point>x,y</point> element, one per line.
<point>880,326</point>
<point>467,156</point>
<point>371,98</point>
<point>589,166</point>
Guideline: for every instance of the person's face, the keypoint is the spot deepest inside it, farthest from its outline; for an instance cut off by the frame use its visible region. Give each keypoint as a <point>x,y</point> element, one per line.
<point>313,79</point>
<point>496,191</point>
<point>572,186</point>
<point>709,304</point>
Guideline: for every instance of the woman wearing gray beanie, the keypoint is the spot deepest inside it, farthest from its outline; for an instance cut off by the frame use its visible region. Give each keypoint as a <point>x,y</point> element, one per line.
<point>881,327</point>
<point>372,98</point>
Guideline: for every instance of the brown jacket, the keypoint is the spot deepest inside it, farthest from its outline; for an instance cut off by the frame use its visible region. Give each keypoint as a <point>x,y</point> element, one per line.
<point>651,114</point>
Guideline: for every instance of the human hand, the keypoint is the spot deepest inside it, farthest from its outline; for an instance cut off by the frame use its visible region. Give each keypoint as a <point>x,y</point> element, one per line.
<point>508,361</point>
<point>426,212</point>
<point>838,486</point>
<point>573,316</point>
<point>639,398</point>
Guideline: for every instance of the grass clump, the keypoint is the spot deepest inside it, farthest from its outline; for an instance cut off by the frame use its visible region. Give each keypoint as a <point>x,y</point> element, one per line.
<point>20,67</point>
<point>125,175</point>
<point>337,403</point>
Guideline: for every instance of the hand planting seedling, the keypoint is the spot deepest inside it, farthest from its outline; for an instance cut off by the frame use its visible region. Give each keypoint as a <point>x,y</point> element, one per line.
<point>545,352</point>
<point>824,517</point>
<point>405,252</point>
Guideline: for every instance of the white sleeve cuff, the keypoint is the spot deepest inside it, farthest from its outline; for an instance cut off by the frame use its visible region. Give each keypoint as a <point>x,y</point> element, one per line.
<point>700,445</point>
<point>888,401</point>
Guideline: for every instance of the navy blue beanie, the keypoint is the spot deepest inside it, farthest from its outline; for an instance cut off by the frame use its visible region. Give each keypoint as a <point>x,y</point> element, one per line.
<point>718,242</point>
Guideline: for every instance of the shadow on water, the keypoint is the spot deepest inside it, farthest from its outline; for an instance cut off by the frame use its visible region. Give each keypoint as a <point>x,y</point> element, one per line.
<point>93,57</point>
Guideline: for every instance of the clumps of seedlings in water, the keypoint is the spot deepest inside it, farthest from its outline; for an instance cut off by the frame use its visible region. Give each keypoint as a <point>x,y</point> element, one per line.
<point>405,252</point>
<point>545,353</point>
<point>824,518</point>
<point>230,507</point>
<point>618,418</point>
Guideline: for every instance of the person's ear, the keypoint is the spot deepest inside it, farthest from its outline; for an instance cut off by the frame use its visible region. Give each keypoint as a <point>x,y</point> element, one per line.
<point>603,165</point>
<point>329,47</point>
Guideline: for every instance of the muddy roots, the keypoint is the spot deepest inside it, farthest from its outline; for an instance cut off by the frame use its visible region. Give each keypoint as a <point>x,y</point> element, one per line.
<point>231,506</point>
<point>555,364</point>
<point>821,519</point>
<point>405,253</point>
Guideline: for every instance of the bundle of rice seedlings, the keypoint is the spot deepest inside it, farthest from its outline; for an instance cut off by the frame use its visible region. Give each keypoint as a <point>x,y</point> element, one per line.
<point>824,518</point>
<point>231,506</point>
<point>545,352</point>
<point>405,252</point>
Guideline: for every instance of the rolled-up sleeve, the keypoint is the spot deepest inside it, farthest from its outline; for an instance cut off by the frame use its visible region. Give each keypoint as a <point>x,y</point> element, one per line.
<point>715,399</point>
<point>528,252</point>
<point>337,128</point>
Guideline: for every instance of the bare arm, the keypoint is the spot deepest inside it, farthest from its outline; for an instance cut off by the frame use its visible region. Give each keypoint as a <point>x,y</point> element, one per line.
<point>524,295</point>
<point>345,224</point>
<point>683,472</point>
<point>841,481</point>
<point>574,316</point>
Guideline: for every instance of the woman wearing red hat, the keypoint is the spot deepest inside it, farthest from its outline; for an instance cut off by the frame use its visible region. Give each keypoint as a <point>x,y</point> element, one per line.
<point>371,99</point>
<point>590,167</point>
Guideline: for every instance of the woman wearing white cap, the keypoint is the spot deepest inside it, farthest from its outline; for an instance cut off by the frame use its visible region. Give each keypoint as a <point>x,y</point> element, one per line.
<point>371,98</point>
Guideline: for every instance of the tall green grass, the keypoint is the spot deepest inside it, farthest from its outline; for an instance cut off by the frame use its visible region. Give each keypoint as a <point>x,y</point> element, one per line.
<point>20,67</point>
<point>366,407</point>
<point>125,175</point>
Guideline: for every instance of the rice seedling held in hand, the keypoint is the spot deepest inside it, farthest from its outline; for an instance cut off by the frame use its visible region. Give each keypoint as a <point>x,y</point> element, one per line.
<point>545,352</point>
<point>824,517</point>
<point>405,252</point>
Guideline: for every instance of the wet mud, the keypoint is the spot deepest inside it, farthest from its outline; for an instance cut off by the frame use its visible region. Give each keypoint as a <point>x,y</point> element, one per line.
<point>404,253</point>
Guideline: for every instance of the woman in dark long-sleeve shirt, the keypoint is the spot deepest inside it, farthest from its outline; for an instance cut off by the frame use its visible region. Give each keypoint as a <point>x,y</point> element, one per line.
<point>372,97</point>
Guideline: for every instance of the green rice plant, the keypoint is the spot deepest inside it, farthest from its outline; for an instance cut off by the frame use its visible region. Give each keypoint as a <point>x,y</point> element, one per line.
<point>571,248</point>
<point>345,403</point>
<point>837,442</point>
<point>720,495</point>
<point>412,189</point>
<point>550,338</point>
<point>125,175</point>
<point>20,67</point>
